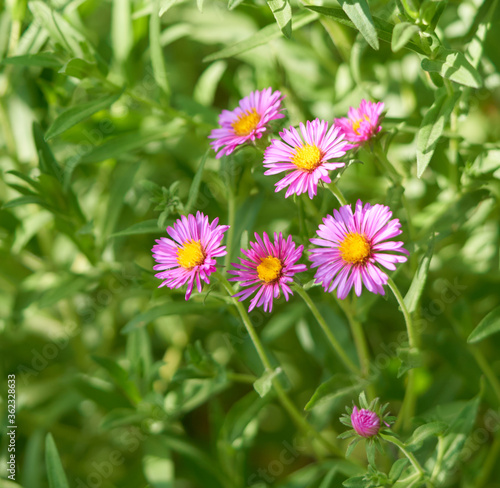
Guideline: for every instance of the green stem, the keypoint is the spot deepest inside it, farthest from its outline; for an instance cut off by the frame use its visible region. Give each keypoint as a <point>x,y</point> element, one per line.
<point>439,460</point>
<point>410,398</point>
<point>412,333</point>
<point>231,215</point>
<point>386,165</point>
<point>486,369</point>
<point>402,448</point>
<point>241,378</point>
<point>322,322</point>
<point>285,401</point>
<point>337,193</point>
<point>489,463</point>
<point>359,338</point>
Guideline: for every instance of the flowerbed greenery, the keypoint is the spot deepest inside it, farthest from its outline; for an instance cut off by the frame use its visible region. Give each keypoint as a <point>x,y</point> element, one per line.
<point>316,187</point>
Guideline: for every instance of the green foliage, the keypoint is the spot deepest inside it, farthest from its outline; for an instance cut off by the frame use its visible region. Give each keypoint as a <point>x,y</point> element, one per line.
<point>105,113</point>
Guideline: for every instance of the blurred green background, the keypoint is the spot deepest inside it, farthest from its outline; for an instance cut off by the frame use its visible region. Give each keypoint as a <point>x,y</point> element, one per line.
<point>140,388</point>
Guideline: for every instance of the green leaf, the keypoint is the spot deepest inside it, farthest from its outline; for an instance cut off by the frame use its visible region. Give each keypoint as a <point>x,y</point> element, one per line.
<point>402,34</point>
<point>265,383</point>
<point>455,67</point>
<point>384,28</point>
<point>456,437</point>
<point>81,69</point>
<point>173,308</point>
<point>410,358</point>
<point>423,432</point>
<point>204,91</point>
<point>45,60</point>
<point>122,35</point>
<point>47,161</point>
<point>397,469</point>
<point>157,59</point>
<point>232,4</point>
<point>61,31</point>
<point>282,12</point>
<point>195,185</point>
<point>356,482</point>
<point>412,298</point>
<point>359,12</point>
<point>55,471</point>
<point>65,289</point>
<point>432,127</point>
<point>25,201</point>
<point>120,377</point>
<point>261,37</point>
<point>145,227</point>
<point>78,113</point>
<point>338,386</point>
<point>121,181</point>
<point>127,143</point>
<point>488,326</point>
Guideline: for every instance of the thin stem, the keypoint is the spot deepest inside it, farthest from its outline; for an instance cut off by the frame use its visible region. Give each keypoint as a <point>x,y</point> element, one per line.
<point>489,463</point>
<point>241,378</point>
<point>359,338</point>
<point>231,215</point>
<point>412,333</point>
<point>322,322</point>
<point>337,193</point>
<point>402,448</point>
<point>386,165</point>
<point>410,398</point>
<point>285,401</point>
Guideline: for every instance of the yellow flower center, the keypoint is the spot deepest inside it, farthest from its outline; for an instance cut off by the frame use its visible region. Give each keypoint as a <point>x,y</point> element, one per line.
<point>307,157</point>
<point>356,124</point>
<point>269,269</point>
<point>246,122</point>
<point>190,255</point>
<point>355,248</point>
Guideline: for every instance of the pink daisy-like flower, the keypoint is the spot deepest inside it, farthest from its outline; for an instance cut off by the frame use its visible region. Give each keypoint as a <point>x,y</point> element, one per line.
<point>365,422</point>
<point>362,123</point>
<point>267,269</point>
<point>308,159</point>
<point>351,247</point>
<point>246,122</point>
<point>191,254</point>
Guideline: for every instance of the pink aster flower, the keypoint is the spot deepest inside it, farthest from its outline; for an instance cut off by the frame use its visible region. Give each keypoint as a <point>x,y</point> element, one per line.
<point>246,122</point>
<point>308,157</point>
<point>365,422</point>
<point>362,123</point>
<point>267,269</point>
<point>190,256</point>
<point>352,245</point>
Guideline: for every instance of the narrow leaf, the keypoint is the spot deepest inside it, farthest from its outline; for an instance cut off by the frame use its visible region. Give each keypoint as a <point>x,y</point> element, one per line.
<point>455,67</point>
<point>45,60</point>
<point>120,377</point>
<point>384,29</point>
<point>195,186</point>
<point>157,59</point>
<point>488,326</point>
<point>417,285</point>
<point>146,227</point>
<point>122,36</point>
<point>264,384</point>
<point>423,432</point>
<point>432,127</point>
<point>282,12</point>
<point>402,34</point>
<point>261,37</point>
<point>55,471</point>
<point>173,308</point>
<point>78,113</point>
<point>359,12</point>
<point>337,386</point>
